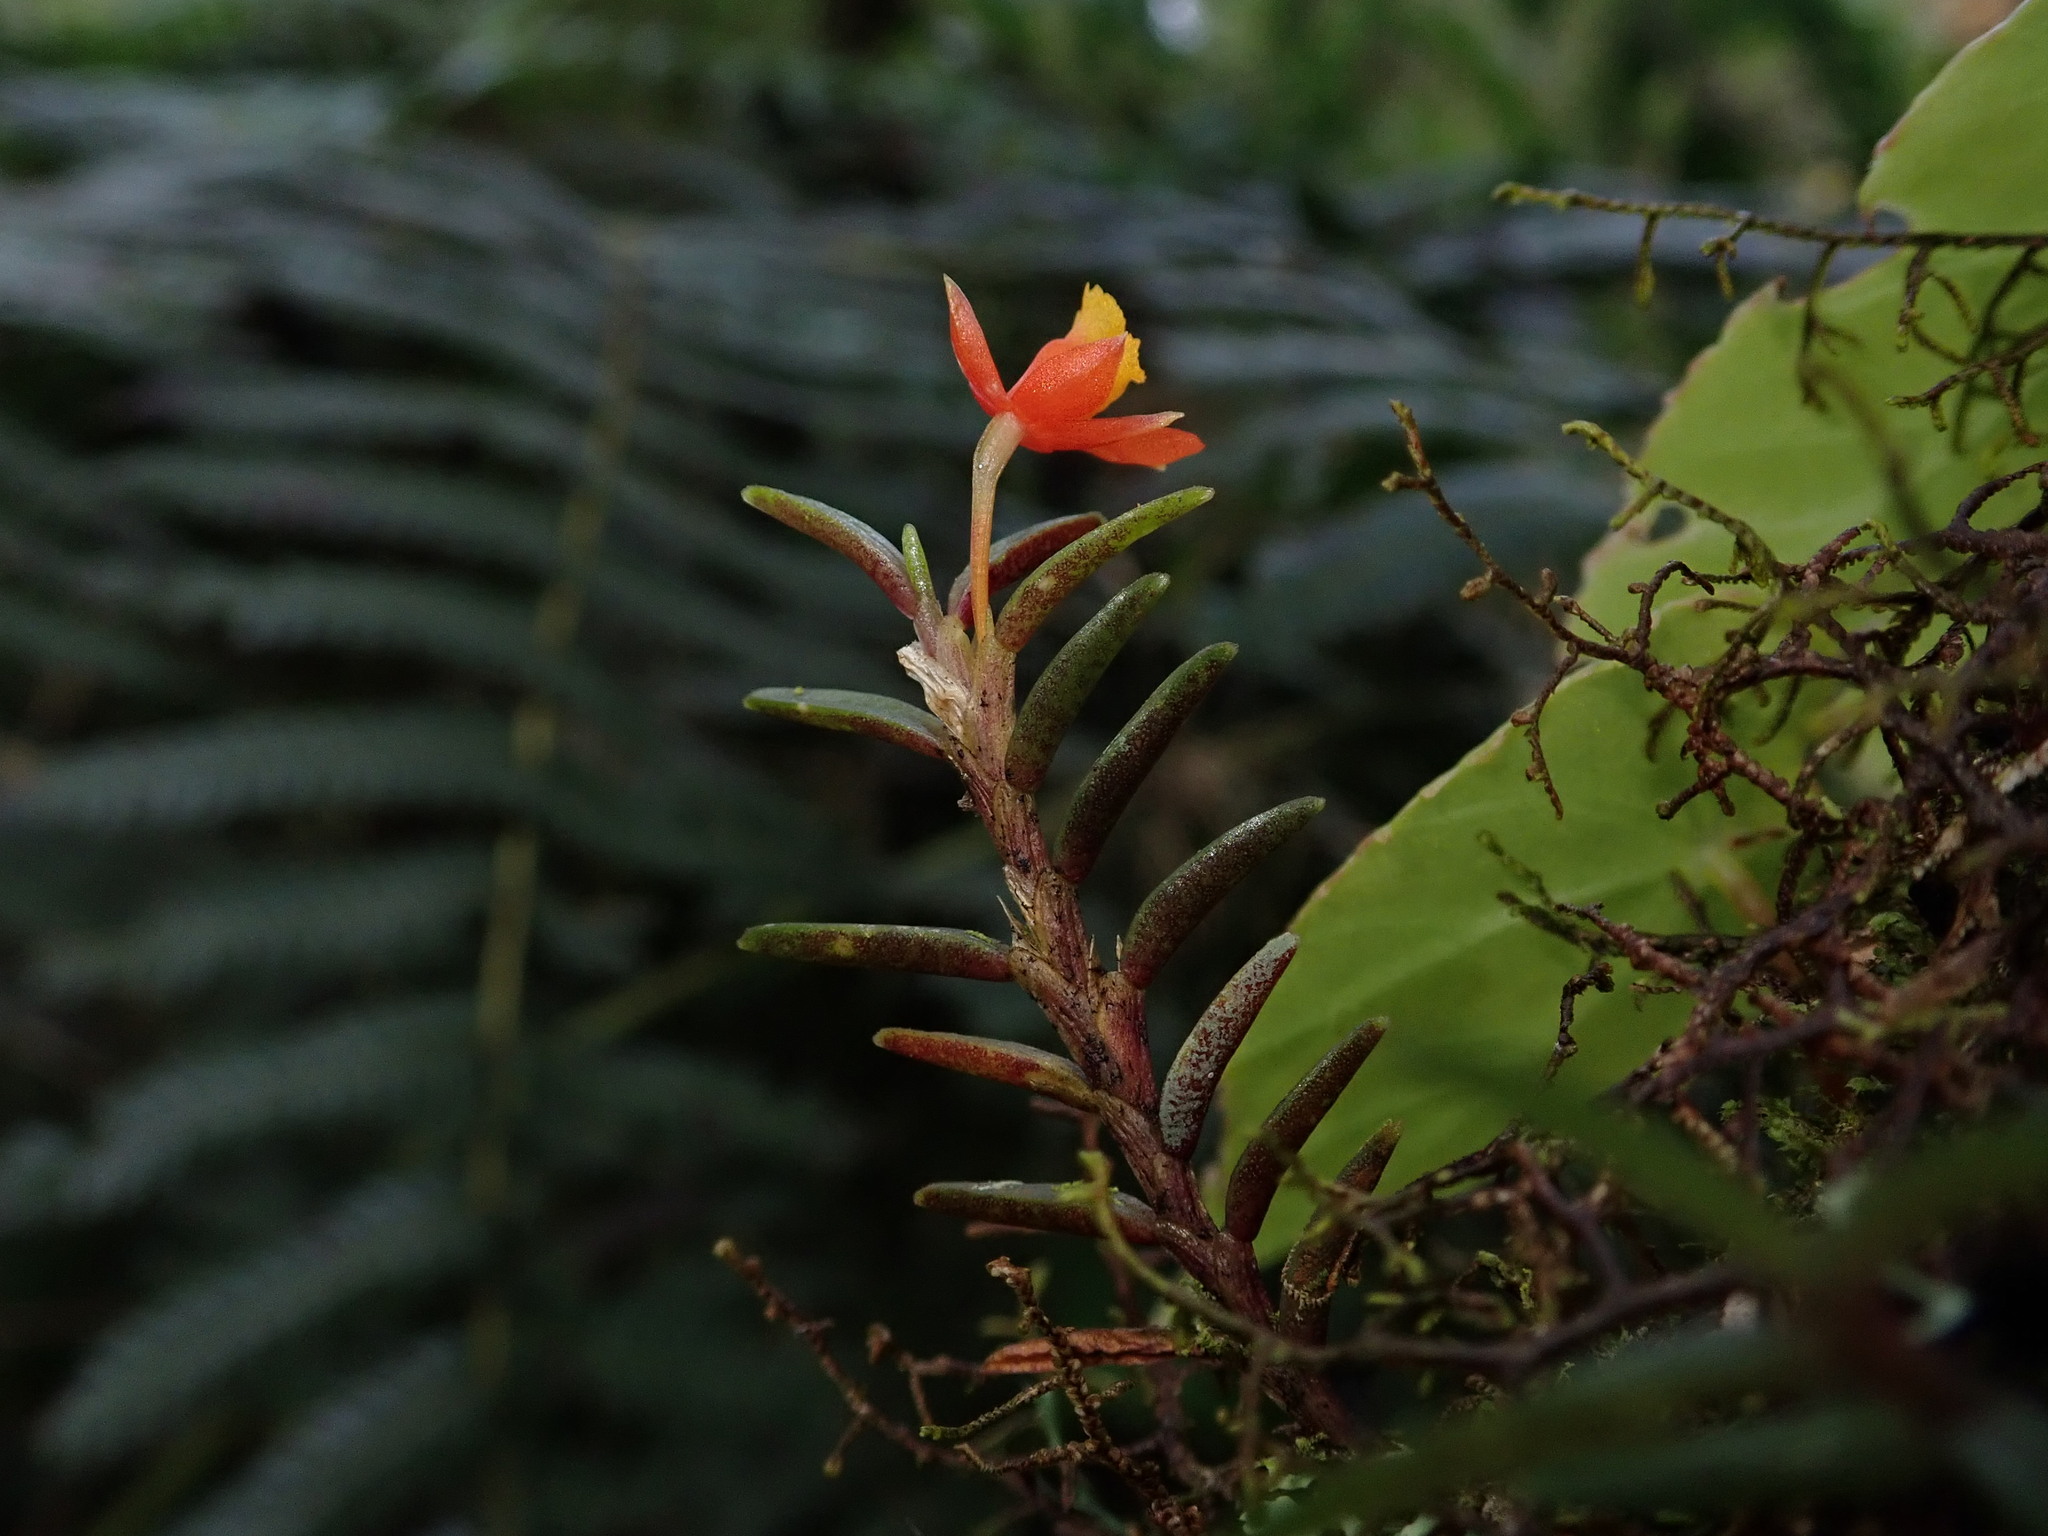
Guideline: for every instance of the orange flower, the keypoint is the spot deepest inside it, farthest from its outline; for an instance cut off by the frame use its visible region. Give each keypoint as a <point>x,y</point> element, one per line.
<point>1060,398</point>
<point>1057,403</point>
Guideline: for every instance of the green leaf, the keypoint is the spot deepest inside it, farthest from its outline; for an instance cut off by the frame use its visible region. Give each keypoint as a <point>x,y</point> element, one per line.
<point>1063,687</point>
<point>1972,153</point>
<point>1629,1400</point>
<point>1132,753</point>
<point>1000,1061</point>
<point>1063,1208</point>
<point>884,946</point>
<point>1259,1166</point>
<point>1205,877</point>
<point>844,534</point>
<point>1013,558</point>
<point>1053,582</point>
<point>864,714</point>
<point>1411,929</point>
<point>1198,1065</point>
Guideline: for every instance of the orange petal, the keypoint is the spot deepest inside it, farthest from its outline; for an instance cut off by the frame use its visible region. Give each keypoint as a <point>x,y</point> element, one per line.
<point>1095,431</point>
<point>1068,381</point>
<point>970,350</point>
<point>1154,450</point>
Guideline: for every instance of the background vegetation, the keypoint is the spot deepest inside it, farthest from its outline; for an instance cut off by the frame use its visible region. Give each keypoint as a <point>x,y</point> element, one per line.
<point>376,605</point>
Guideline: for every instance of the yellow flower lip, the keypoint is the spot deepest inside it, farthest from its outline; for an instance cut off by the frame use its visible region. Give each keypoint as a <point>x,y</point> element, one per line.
<point>1099,318</point>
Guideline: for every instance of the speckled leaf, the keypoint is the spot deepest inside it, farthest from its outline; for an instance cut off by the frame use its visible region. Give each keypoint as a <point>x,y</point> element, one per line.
<point>884,947</point>
<point>1000,1061</point>
<point>1012,559</point>
<point>1053,582</point>
<point>1063,687</point>
<point>1131,755</point>
<point>1064,1208</point>
<point>843,532</point>
<point>864,714</point>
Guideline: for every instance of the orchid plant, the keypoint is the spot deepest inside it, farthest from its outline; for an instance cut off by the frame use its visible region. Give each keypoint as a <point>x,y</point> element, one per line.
<point>964,659</point>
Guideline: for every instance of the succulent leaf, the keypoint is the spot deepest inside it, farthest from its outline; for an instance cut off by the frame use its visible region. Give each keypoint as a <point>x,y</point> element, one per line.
<point>1260,1165</point>
<point>1308,1280</point>
<point>1064,1208</point>
<point>917,570</point>
<point>1012,559</point>
<point>1186,896</point>
<point>881,946</point>
<point>1063,687</point>
<point>1198,1065</point>
<point>1132,754</point>
<point>864,714</point>
<point>1001,1061</point>
<point>843,533</point>
<point>1050,585</point>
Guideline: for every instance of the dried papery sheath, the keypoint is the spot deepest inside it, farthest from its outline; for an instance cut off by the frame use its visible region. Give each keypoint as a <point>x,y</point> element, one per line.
<point>1063,687</point>
<point>1012,559</point>
<point>1198,1065</point>
<point>1314,1264</point>
<point>1264,1159</point>
<point>881,946</point>
<point>1090,1346</point>
<point>1051,584</point>
<point>843,532</point>
<point>864,714</point>
<point>1001,1061</point>
<point>1132,754</point>
<point>1186,896</point>
<point>1066,1208</point>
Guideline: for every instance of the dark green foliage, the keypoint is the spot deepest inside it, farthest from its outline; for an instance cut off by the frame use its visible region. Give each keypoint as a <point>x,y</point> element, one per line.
<point>1063,687</point>
<point>1061,1208</point>
<point>1052,583</point>
<point>1015,557</point>
<point>1000,1061</point>
<point>1106,789</point>
<point>1259,1167</point>
<point>1180,901</point>
<point>864,714</point>
<point>1315,1263</point>
<point>934,951</point>
<point>1198,1065</point>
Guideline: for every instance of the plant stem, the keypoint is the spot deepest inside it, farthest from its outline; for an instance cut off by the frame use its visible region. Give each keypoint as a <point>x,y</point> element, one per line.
<point>999,440</point>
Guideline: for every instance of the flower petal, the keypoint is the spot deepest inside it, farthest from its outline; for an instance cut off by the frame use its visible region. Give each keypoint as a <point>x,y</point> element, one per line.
<point>970,350</point>
<point>1095,431</point>
<point>1100,316</point>
<point>1068,381</point>
<point>1154,450</point>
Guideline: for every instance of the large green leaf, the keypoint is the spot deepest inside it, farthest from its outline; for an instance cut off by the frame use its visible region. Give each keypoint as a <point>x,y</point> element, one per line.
<point>1971,155</point>
<point>1411,928</point>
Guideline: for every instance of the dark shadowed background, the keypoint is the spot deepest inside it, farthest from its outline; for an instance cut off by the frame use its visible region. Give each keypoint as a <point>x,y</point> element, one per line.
<point>377,378</point>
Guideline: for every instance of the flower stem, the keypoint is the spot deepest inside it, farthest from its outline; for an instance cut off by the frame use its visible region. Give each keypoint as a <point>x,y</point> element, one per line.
<point>991,456</point>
